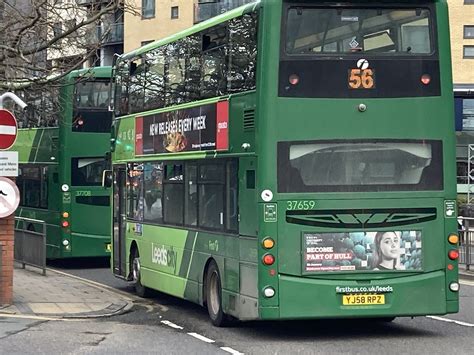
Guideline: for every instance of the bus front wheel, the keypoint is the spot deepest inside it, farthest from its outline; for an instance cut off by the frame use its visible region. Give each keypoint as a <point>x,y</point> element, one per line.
<point>214,296</point>
<point>140,290</point>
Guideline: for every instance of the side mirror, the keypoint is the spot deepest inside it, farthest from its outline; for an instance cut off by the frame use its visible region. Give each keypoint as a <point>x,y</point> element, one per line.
<point>107,178</point>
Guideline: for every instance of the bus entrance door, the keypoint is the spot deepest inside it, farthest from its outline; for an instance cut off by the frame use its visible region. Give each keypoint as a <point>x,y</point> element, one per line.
<point>118,242</point>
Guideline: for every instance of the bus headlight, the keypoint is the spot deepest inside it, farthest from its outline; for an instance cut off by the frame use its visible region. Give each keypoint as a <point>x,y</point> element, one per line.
<point>454,286</point>
<point>65,242</point>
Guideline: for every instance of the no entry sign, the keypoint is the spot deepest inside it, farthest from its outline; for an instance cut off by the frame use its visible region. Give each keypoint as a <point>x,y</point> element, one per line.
<point>8,129</point>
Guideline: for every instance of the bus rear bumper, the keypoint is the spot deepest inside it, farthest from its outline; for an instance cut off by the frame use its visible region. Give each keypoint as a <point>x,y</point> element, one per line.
<point>414,295</point>
<point>87,245</point>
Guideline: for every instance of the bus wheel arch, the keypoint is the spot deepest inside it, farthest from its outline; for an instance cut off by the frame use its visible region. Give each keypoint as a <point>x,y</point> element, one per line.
<point>135,271</point>
<point>204,281</point>
<point>212,294</point>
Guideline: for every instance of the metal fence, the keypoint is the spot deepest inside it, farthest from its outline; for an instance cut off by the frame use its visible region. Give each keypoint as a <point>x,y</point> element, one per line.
<point>466,241</point>
<point>30,242</point>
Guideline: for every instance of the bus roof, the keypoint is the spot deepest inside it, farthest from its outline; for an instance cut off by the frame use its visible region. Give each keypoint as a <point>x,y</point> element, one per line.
<point>193,29</point>
<point>98,72</point>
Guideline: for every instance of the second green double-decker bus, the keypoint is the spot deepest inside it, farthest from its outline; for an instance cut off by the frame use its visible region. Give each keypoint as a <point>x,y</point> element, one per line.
<point>290,160</point>
<point>60,172</point>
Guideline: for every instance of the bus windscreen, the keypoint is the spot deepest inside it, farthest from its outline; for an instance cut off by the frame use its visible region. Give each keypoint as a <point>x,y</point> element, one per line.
<point>91,107</point>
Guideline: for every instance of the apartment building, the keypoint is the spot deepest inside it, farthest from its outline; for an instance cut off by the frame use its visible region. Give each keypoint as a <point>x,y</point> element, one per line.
<point>155,19</point>
<point>461,21</point>
<point>104,37</point>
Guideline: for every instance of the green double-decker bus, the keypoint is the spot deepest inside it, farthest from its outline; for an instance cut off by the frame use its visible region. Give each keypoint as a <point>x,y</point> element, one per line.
<point>291,160</point>
<point>60,170</point>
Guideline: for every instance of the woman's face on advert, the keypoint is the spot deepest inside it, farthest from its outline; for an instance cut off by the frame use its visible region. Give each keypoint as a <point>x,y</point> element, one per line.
<point>389,245</point>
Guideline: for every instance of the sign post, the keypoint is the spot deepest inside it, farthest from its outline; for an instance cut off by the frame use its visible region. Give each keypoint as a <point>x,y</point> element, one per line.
<point>9,196</point>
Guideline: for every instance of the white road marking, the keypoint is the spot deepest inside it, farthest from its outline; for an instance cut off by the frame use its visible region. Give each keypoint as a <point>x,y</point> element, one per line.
<point>11,130</point>
<point>230,350</point>
<point>464,282</point>
<point>465,324</point>
<point>171,324</point>
<point>201,337</point>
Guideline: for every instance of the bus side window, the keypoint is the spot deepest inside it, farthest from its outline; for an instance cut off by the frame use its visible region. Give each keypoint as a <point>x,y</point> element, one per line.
<point>242,53</point>
<point>214,66</point>
<point>211,195</point>
<point>190,200</point>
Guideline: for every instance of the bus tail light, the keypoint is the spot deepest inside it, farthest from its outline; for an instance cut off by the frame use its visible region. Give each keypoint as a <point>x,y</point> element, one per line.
<point>294,79</point>
<point>425,79</point>
<point>268,259</point>
<point>65,223</point>
<point>453,254</point>
<point>453,239</point>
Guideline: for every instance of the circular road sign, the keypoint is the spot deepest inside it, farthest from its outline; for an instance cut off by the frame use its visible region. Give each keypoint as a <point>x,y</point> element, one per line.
<point>8,129</point>
<point>9,197</point>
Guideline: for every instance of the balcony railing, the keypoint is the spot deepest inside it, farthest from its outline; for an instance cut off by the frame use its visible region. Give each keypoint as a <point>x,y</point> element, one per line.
<point>89,2</point>
<point>110,33</point>
<point>205,9</point>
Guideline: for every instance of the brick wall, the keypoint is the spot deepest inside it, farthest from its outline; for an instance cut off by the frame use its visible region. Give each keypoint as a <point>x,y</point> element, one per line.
<point>6,263</point>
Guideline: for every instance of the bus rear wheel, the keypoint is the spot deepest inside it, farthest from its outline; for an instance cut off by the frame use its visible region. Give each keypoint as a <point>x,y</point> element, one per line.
<point>140,290</point>
<point>214,296</point>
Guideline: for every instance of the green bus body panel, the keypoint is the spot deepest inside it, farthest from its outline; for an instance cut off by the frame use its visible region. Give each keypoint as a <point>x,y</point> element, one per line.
<point>89,230</point>
<point>239,258</point>
<point>36,145</point>
<point>239,105</point>
<point>310,298</point>
<point>402,118</point>
<point>172,260</point>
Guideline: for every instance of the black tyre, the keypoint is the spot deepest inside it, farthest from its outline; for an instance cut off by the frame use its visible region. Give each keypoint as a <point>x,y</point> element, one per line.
<point>214,296</point>
<point>386,319</point>
<point>140,290</point>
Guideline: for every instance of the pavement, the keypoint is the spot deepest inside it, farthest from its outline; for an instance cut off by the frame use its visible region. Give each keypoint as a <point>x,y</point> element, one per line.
<point>466,274</point>
<point>60,295</point>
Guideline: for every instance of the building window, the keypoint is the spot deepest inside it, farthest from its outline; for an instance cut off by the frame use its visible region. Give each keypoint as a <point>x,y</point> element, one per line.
<point>174,12</point>
<point>468,31</point>
<point>57,29</point>
<point>468,2</point>
<point>469,52</point>
<point>148,8</point>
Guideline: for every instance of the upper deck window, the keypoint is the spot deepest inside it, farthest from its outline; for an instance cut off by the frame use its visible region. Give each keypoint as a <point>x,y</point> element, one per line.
<point>91,107</point>
<point>311,30</point>
<point>92,94</point>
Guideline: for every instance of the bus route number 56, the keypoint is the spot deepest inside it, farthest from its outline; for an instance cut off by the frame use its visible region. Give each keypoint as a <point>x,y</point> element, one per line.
<point>361,79</point>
